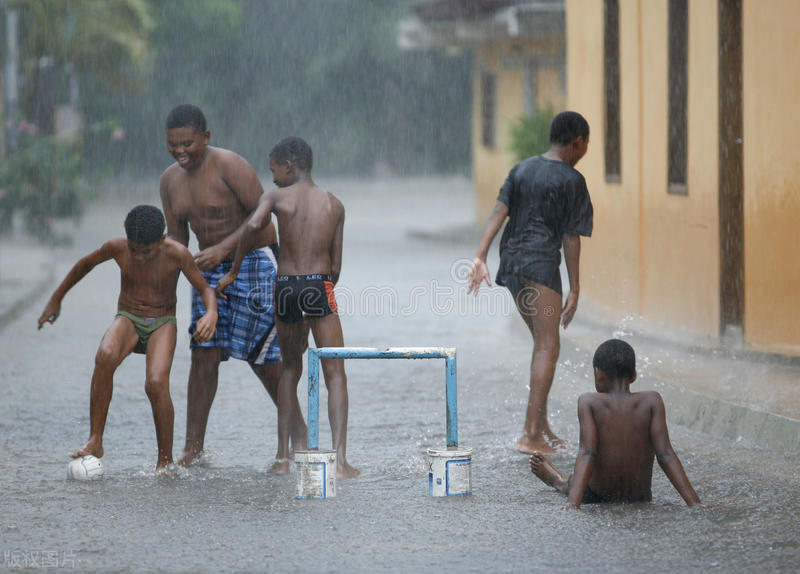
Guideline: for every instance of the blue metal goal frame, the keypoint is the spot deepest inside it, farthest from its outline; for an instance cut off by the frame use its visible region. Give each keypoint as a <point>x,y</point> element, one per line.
<point>446,353</point>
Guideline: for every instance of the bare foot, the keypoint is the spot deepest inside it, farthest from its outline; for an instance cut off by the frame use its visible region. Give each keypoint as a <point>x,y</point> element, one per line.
<point>546,443</point>
<point>544,469</point>
<point>344,470</point>
<point>190,455</point>
<point>554,441</point>
<point>530,444</point>
<point>93,448</point>
<point>167,470</point>
<point>280,466</point>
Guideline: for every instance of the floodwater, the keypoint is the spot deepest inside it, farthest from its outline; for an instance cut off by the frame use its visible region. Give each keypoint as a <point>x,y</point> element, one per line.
<point>228,515</point>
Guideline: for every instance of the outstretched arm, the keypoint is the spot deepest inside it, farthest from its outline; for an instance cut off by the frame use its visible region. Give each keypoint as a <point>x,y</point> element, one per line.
<point>667,459</point>
<point>479,272</point>
<point>207,324</point>
<point>336,248</point>
<point>572,255</point>
<point>247,238</point>
<point>587,450</point>
<point>53,308</point>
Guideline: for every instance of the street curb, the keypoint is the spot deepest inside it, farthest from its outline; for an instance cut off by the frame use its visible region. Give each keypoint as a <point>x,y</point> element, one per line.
<point>22,304</point>
<point>720,418</point>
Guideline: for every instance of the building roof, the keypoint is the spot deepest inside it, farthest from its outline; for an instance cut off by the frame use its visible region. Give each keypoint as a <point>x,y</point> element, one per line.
<point>438,10</point>
<point>465,23</point>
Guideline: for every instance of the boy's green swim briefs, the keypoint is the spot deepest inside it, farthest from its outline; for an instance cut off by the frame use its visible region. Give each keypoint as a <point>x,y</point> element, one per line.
<point>146,326</point>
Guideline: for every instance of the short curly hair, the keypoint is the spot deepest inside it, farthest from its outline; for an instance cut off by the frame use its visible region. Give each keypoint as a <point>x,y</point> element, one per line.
<point>144,224</point>
<point>187,116</point>
<point>567,126</point>
<point>293,150</point>
<point>616,359</point>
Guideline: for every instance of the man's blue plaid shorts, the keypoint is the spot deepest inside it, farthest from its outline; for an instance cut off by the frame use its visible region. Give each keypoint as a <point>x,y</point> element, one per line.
<point>246,322</point>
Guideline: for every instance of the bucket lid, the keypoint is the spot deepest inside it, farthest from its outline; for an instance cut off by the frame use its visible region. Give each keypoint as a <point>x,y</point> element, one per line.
<point>450,452</point>
<point>314,455</point>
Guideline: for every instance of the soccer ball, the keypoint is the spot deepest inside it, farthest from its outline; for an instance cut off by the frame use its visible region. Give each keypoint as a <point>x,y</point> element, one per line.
<point>85,468</point>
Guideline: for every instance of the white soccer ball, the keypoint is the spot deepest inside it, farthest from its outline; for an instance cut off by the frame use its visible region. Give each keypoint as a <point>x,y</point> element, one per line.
<point>85,468</point>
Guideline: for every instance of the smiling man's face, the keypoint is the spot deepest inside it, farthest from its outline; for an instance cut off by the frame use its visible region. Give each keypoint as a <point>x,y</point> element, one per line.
<point>187,146</point>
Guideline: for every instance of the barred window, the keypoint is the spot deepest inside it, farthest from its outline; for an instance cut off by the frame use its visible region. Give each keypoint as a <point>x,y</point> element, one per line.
<point>678,81</point>
<point>611,80</point>
<point>488,109</point>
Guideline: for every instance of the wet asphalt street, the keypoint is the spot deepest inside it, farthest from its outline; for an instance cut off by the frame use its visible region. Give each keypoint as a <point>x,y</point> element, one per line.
<point>228,515</point>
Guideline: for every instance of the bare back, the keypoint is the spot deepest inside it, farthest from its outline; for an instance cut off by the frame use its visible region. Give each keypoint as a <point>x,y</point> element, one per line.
<point>623,466</point>
<point>310,223</point>
<point>214,199</point>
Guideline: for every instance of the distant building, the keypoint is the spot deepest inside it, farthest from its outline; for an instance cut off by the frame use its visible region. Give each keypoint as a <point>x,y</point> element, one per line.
<point>519,65</point>
<point>694,165</point>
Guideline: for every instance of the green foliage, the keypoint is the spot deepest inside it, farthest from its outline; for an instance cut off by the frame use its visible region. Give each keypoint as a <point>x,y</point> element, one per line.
<point>41,180</point>
<point>328,71</point>
<point>530,135</point>
<point>107,38</point>
<point>194,32</point>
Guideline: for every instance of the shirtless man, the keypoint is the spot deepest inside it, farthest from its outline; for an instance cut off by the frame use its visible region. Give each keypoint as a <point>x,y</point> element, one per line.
<point>311,223</point>
<point>149,264</point>
<point>213,191</point>
<point>620,435</point>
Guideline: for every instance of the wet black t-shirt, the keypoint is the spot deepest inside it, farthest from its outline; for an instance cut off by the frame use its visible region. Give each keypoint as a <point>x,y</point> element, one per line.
<point>546,199</point>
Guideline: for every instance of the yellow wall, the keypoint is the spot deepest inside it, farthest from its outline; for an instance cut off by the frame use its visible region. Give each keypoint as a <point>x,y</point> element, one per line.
<point>610,259</point>
<point>657,254</point>
<point>680,235</point>
<point>490,166</point>
<point>771,77</point>
<point>550,91</point>
<point>652,253</point>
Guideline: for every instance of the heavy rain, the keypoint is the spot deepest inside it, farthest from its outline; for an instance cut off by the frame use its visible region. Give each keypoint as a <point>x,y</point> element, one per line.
<point>416,111</point>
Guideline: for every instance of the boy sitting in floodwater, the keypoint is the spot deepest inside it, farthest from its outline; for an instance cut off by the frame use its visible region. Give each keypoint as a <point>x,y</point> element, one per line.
<point>149,264</point>
<point>620,434</point>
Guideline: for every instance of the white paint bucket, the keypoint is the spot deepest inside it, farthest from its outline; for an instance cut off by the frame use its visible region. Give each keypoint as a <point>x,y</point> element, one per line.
<point>449,471</point>
<point>316,473</point>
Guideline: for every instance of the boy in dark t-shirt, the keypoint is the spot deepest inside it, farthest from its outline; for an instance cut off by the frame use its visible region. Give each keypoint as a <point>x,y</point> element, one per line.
<point>548,207</point>
<point>546,198</point>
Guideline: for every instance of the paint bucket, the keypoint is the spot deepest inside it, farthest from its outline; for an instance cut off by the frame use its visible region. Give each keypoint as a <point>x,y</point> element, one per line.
<point>449,471</point>
<point>316,473</point>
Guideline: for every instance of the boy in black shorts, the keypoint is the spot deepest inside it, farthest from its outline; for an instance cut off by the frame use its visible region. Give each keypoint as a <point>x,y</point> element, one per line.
<point>310,223</point>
